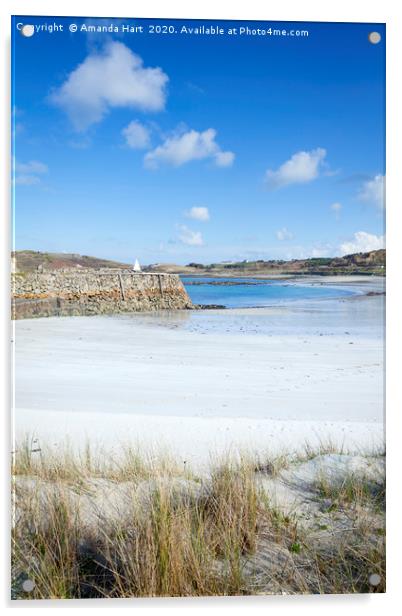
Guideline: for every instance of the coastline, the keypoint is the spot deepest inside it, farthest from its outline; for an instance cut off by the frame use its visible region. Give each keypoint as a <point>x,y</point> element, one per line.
<point>341,278</point>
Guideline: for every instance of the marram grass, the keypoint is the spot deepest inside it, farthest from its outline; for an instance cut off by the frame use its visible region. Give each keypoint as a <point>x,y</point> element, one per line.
<point>225,537</point>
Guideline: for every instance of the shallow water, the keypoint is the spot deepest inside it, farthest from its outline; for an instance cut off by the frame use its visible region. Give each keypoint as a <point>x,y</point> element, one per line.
<point>345,318</point>
<point>252,292</point>
<point>351,314</point>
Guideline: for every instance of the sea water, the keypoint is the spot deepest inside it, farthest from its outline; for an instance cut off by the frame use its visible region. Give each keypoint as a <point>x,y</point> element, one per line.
<point>254,292</point>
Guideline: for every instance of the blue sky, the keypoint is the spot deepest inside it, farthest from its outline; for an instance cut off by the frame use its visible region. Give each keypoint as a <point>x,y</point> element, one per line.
<point>185,147</point>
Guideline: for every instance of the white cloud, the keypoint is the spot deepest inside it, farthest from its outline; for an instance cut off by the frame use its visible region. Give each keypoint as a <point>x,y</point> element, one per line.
<point>224,159</point>
<point>373,191</point>
<point>284,234</point>
<point>28,174</point>
<point>114,77</point>
<point>34,166</point>
<point>136,135</point>
<point>189,237</point>
<point>184,147</point>
<point>322,250</point>
<point>198,213</point>
<point>302,167</point>
<point>363,242</point>
<point>27,180</point>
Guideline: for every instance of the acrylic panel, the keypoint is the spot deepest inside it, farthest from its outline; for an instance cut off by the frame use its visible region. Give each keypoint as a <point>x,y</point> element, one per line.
<point>198,294</point>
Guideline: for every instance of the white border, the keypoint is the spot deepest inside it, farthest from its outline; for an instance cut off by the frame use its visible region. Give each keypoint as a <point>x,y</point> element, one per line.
<point>287,10</point>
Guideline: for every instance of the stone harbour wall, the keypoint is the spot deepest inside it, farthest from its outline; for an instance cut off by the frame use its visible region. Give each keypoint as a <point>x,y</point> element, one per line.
<point>90,292</point>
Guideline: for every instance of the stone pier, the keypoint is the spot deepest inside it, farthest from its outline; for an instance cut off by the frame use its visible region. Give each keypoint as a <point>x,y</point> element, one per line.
<point>89,292</point>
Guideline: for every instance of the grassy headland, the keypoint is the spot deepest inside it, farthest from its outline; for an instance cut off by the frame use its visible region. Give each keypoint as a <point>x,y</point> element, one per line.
<point>367,263</point>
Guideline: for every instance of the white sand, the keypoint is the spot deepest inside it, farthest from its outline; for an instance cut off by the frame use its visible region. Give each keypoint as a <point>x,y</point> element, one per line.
<point>193,439</point>
<point>188,384</point>
<point>111,365</point>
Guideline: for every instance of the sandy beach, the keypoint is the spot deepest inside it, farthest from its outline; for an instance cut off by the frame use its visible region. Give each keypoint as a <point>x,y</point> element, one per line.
<point>196,382</point>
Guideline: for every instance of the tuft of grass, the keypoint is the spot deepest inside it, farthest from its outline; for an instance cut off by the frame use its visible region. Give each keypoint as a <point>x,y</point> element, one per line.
<point>356,491</point>
<point>172,547</point>
<point>272,466</point>
<point>48,557</point>
<point>33,459</point>
<point>324,447</point>
<point>295,547</point>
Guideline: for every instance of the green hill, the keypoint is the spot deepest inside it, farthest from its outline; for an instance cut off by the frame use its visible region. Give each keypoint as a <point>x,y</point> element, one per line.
<point>372,262</point>
<point>30,260</point>
<point>362,263</point>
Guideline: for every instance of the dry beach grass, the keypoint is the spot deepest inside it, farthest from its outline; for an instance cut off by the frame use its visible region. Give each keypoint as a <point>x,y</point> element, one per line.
<point>144,525</point>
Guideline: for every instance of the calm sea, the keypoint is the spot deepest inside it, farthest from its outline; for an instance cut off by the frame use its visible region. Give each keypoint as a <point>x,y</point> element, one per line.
<point>252,292</point>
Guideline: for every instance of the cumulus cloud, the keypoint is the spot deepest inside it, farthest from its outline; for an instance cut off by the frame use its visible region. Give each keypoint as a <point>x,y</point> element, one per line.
<point>284,234</point>
<point>28,174</point>
<point>362,242</point>
<point>224,159</point>
<point>373,191</point>
<point>321,250</point>
<point>189,237</point>
<point>114,77</point>
<point>137,136</point>
<point>302,167</point>
<point>198,213</point>
<point>184,147</point>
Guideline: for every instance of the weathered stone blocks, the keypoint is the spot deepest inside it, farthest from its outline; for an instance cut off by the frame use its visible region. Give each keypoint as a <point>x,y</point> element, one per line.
<point>88,292</point>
